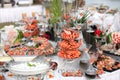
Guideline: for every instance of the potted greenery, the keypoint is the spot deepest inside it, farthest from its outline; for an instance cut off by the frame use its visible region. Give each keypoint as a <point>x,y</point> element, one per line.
<point>56,11</point>
<point>56,14</point>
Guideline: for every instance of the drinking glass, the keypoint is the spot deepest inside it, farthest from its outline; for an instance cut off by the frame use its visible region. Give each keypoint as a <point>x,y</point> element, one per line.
<point>33,14</point>
<point>58,30</point>
<point>93,56</point>
<point>3,41</point>
<point>16,2</point>
<point>24,15</point>
<point>88,46</point>
<point>84,62</point>
<point>91,72</point>
<point>41,28</point>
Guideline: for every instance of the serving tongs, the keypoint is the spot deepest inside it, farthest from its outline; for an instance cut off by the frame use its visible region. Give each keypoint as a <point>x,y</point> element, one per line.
<point>36,58</point>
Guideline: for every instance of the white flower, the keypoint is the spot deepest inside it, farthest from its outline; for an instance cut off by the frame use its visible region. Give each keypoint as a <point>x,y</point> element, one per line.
<point>11,32</point>
<point>116,37</point>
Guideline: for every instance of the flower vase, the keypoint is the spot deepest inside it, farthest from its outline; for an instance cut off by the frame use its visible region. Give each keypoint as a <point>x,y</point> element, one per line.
<point>57,30</point>
<point>52,36</point>
<point>53,32</point>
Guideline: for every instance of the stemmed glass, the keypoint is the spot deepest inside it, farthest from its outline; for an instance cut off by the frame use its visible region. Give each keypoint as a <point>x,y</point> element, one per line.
<point>3,41</point>
<point>84,62</point>
<point>58,30</point>
<point>16,2</point>
<point>87,48</point>
<point>102,18</point>
<point>91,72</point>
<point>42,29</point>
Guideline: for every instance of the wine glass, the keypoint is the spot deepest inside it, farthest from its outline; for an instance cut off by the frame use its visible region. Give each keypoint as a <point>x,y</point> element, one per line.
<point>3,41</point>
<point>42,29</point>
<point>58,31</point>
<point>87,48</point>
<point>91,72</point>
<point>84,62</point>
<point>24,15</point>
<point>16,2</point>
<point>102,17</point>
<point>93,56</point>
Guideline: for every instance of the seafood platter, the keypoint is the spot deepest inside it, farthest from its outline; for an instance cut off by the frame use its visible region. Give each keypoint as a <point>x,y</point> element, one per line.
<point>37,46</point>
<point>69,46</point>
<point>106,63</point>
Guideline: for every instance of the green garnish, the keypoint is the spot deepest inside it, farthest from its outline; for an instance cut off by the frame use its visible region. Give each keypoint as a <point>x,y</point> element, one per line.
<point>31,65</point>
<point>34,36</point>
<point>19,37</point>
<point>17,48</point>
<point>37,45</point>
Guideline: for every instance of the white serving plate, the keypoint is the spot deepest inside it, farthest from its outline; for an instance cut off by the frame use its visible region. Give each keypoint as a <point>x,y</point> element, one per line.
<point>23,69</point>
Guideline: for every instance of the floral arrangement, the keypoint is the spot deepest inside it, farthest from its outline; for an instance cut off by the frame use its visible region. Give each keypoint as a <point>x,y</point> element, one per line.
<point>56,11</point>
<point>84,18</point>
<point>10,33</point>
<point>98,33</point>
<point>73,21</point>
<point>115,37</point>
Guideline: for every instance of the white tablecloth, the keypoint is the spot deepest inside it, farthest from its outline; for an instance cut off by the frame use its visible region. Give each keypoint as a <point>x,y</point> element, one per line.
<point>73,66</point>
<point>57,76</point>
<point>15,13</point>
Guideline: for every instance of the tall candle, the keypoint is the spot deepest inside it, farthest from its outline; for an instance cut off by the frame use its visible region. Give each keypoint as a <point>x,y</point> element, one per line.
<point>33,14</point>
<point>24,15</point>
<point>47,13</point>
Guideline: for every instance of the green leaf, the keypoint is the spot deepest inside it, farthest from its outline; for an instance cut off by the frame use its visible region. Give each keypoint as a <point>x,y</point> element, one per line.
<point>84,18</point>
<point>109,38</point>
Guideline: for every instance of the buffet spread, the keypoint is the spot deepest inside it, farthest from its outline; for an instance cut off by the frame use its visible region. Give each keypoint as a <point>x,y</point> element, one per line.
<point>32,51</point>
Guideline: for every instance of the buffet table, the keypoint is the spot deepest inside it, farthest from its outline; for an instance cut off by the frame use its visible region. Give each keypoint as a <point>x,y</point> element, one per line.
<point>57,75</point>
<point>63,65</point>
<point>15,13</point>
<point>65,62</point>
